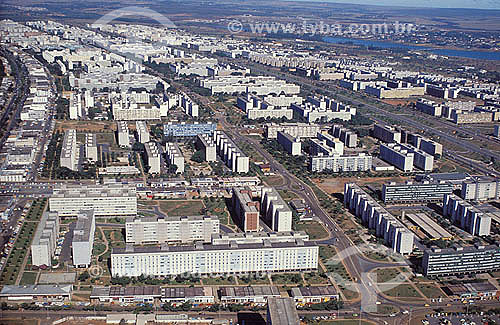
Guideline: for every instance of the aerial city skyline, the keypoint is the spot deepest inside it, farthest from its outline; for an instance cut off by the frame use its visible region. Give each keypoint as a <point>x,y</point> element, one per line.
<point>255,162</point>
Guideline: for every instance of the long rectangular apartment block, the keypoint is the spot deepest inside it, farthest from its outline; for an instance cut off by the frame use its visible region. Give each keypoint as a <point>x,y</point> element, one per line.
<point>174,156</point>
<point>256,107</point>
<point>206,143</point>
<point>190,107</point>
<point>122,134</point>
<point>69,150</point>
<point>91,147</point>
<point>386,133</point>
<point>83,238</point>
<point>154,230</point>
<point>397,156</point>
<point>461,260</point>
<point>349,163</point>
<point>44,243</point>
<point>468,217</point>
<point>234,158</point>
<point>105,200</point>
<point>395,234</point>
<point>412,192</point>
<point>290,144</point>
<point>188,130</point>
<point>481,188</point>
<point>246,209</point>
<point>275,210</point>
<point>296,130</point>
<point>153,157</point>
<point>209,259</point>
<point>348,137</point>
<point>142,131</point>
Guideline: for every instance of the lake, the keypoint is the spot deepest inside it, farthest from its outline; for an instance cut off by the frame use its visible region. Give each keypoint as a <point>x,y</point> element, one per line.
<point>389,45</point>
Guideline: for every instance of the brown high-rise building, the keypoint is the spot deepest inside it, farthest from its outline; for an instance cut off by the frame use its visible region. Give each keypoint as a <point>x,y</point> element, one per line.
<point>245,209</point>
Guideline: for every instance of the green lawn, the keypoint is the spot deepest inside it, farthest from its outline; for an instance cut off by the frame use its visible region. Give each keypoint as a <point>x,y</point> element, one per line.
<point>218,281</point>
<point>288,195</point>
<point>316,278</point>
<point>389,275</point>
<point>402,290</point>
<point>182,207</point>
<point>326,252</point>
<point>430,291</point>
<point>290,278</point>
<point>28,278</point>
<point>274,180</point>
<point>314,229</point>
<point>18,253</point>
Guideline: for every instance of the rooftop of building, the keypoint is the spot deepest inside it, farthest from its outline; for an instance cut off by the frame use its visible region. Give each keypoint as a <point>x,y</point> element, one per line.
<point>209,247</point>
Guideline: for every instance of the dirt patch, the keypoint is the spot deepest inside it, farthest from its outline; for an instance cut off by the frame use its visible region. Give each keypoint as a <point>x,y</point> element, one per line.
<point>336,185</point>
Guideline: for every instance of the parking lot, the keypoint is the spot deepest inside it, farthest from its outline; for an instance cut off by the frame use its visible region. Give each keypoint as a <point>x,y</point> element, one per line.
<point>460,319</point>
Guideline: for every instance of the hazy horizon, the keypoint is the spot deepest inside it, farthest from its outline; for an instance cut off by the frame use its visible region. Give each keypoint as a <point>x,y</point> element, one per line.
<point>457,4</point>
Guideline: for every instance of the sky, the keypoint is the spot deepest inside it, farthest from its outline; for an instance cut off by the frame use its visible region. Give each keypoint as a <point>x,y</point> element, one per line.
<point>475,4</point>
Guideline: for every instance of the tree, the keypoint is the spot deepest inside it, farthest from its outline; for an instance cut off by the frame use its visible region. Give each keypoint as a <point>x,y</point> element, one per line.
<point>198,156</point>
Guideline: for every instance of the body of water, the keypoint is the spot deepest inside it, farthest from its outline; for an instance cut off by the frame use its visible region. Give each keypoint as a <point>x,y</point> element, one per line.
<point>389,45</point>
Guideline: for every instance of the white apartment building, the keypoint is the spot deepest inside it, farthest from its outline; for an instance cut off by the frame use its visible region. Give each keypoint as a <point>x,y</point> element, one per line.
<point>275,210</point>
<point>212,260</point>
<point>153,157</point>
<point>142,131</point>
<point>206,143</point>
<point>292,145</point>
<point>481,188</point>
<point>258,237</point>
<point>184,229</point>
<point>323,109</point>
<point>395,234</point>
<point>123,136</point>
<point>256,107</point>
<point>348,137</point>
<point>431,147</point>
<point>468,217</point>
<point>296,130</point>
<point>327,145</point>
<point>174,156</point>
<point>190,107</point>
<point>69,150</point>
<point>91,147</point>
<point>348,163</point>
<point>75,106</point>
<point>134,106</point>
<point>231,154</point>
<point>386,133</point>
<point>105,200</point>
<point>397,156</point>
<point>44,241</point>
<point>259,85</point>
<point>83,238</point>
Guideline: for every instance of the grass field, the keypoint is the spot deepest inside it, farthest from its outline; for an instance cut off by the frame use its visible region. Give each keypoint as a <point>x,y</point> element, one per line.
<point>28,278</point>
<point>288,195</point>
<point>402,290</point>
<point>430,291</point>
<point>218,281</point>
<point>181,208</point>
<point>326,252</point>
<point>314,229</point>
<point>274,180</point>
<point>389,275</point>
